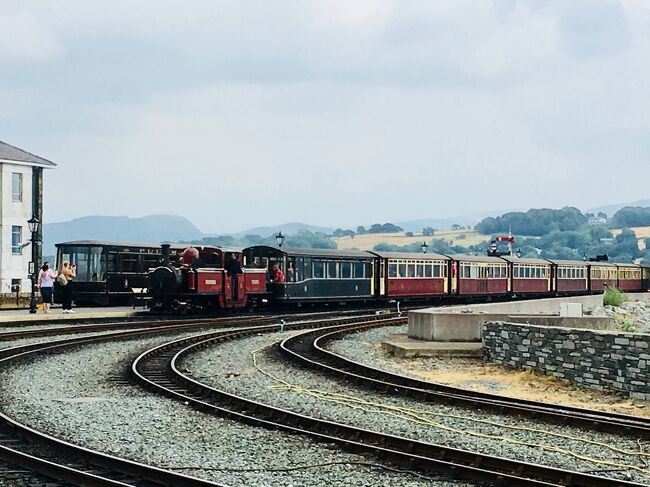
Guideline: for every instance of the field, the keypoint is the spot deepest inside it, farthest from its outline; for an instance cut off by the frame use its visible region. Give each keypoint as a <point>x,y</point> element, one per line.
<point>368,241</point>
<point>641,233</point>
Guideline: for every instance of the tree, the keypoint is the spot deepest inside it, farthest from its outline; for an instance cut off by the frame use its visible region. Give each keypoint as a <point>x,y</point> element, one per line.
<point>602,215</point>
<point>361,230</point>
<point>632,216</point>
<point>428,231</point>
<point>456,226</point>
<point>409,234</point>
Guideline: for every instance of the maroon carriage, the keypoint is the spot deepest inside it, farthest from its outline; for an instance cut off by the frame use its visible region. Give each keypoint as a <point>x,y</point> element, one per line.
<point>530,276</point>
<point>630,277</point>
<point>403,275</point>
<point>571,276</point>
<point>478,275</point>
<point>602,275</point>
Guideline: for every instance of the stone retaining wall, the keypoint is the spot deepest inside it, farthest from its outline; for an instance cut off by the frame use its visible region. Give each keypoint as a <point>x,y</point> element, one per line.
<point>594,359</point>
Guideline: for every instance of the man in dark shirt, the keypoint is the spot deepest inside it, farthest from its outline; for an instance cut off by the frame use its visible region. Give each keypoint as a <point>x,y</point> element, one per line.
<point>233,268</point>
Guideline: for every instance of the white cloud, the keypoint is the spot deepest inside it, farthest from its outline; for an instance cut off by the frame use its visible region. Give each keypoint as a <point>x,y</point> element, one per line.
<point>25,38</point>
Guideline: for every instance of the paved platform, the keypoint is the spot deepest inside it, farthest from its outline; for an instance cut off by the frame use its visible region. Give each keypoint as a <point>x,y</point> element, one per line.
<point>57,314</point>
<point>405,347</point>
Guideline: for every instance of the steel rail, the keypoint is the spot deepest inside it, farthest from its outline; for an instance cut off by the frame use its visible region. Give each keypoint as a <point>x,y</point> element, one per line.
<point>100,469</point>
<point>158,370</point>
<point>310,349</point>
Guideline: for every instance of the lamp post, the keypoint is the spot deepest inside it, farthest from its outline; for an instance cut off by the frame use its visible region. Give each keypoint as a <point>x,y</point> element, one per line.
<point>279,238</point>
<point>424,247</point>
<point>518,253</point>
<point>34,225</point>
<point>584,256</point>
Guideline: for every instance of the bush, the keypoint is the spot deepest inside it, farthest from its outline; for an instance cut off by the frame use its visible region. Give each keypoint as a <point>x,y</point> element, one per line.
<point>614,297</point>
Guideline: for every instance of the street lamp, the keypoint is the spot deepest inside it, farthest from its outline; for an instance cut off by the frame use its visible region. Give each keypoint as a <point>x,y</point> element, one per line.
<point>424,247</point>
<point>584,256</point>
<point>33,224</point>
<point>518,253</point>
<point>279,238</point>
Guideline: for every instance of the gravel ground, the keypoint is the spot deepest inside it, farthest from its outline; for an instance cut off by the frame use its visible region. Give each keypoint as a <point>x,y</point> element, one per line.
<point>230,366</point>
<point>630,317</point>
<point>74,396</point>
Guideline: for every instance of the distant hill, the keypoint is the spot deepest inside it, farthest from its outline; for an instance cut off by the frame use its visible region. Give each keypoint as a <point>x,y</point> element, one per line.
<point>446,223</point>
<point>609,210</point>
<point>152,228</point>
<point>287,229</point>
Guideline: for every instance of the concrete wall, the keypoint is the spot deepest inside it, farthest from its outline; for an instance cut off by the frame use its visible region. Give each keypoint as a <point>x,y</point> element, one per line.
<point>594,359</point>
<point>465,322</point>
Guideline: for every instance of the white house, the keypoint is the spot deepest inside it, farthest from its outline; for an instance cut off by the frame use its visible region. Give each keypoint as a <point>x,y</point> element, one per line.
<point>21,198</point>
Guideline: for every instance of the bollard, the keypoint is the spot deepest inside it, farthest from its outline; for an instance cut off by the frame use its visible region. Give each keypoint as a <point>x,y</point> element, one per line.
<point>282,326</point>
<point>399,313</point>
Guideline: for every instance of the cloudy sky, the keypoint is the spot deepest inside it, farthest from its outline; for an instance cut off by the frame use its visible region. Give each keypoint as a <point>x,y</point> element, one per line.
<point>340,113</point>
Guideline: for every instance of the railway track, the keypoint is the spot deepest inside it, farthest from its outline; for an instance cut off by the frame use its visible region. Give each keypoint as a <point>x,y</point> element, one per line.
<point>310,349</point>
<point>158,370</point>
<point>40,455</point>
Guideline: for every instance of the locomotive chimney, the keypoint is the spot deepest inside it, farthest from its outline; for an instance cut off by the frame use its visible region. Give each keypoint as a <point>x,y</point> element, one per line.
<point>166,253</point>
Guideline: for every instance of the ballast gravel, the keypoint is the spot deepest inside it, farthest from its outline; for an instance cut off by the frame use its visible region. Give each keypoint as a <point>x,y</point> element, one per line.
<point>229,366</point>
<point>78,396</point>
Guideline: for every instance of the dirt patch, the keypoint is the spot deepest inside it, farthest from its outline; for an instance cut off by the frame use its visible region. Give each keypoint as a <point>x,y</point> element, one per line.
<point>474,374</point>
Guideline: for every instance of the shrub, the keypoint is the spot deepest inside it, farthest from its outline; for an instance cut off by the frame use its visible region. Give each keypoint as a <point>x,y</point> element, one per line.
<point>614,297</point>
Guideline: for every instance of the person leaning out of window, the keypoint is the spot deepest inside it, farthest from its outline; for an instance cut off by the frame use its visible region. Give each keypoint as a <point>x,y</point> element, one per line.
<point>46,285</point>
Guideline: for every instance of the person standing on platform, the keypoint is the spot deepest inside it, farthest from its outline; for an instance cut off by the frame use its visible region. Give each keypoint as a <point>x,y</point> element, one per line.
<point>46,285</point>
<point>65,278</point>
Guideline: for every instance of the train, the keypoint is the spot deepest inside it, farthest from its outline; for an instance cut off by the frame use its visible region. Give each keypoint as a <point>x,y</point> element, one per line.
<point>184,277</point>
<point>213,278</point>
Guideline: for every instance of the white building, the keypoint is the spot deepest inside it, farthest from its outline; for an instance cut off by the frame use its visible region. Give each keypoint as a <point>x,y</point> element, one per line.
<point>21,197</point>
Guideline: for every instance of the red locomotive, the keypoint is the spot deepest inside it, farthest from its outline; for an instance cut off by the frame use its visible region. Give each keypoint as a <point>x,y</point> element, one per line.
<point>204,279</point>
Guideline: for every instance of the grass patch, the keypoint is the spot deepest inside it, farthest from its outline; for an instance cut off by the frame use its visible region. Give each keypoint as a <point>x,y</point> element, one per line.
<point>614,297</point>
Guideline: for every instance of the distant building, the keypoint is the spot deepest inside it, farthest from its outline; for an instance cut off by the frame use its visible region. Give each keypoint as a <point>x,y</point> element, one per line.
<point>596,220</point>
<point>21,197</point>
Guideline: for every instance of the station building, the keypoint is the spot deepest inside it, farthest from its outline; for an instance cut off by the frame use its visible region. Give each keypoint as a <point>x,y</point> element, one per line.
<point>21,198</point>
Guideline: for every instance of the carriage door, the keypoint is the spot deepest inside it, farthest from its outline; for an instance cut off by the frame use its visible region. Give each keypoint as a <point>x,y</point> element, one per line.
<point>381,265</point>
<point>482,279</point>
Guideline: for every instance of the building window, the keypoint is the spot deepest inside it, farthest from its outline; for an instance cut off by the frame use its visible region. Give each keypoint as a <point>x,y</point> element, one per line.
<point>16,239</point>
<point>16,187</point>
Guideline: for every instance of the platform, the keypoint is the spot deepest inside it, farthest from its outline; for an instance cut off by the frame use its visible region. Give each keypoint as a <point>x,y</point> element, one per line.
<point>405,347</point>
<point>13,317</point>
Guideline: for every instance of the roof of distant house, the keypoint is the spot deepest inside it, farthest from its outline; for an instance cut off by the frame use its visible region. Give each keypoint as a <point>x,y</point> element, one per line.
<point>9,153</point>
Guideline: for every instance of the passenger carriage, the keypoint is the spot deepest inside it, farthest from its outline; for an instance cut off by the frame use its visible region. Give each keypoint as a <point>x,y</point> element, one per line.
<point>478,276</point>
<point>315,275</point>
<point>530,276</point>
<point>602,275</point>
<point>109,272</point>
<point>571,276</point>
<point>404,275</point>
<point>630,277</point>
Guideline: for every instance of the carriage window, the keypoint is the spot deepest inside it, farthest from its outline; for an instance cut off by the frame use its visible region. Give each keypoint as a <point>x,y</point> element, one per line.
<point>346,270</point>
<point>368,269</point>
<point>331,270</point>
<point>516,271</point>
<point>419,270</point>
<point>319,269</point>
<point>428,269</point>
<point>392,270</point>
<point>411,270</point>
<point>96,269</point>
<point>358,270</point>
<point>402,270</point>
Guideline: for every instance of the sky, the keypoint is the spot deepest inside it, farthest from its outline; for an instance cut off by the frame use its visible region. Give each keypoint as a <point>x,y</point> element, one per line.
<point>337,112</point>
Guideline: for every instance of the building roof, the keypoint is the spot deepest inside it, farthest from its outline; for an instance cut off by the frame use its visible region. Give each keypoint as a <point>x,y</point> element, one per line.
<point>9,153</point>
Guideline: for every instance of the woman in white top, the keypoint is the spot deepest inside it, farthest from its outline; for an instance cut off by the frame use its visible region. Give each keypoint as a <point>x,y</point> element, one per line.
<point>46,283</point>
